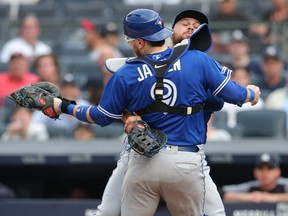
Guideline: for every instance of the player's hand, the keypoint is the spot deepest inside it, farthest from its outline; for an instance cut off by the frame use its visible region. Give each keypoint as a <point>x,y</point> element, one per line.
<point>57,102</point>
<point>257,92</point>
<point>130,118</point>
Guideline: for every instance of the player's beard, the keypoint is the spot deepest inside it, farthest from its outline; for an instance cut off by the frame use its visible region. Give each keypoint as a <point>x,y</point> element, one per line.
<point>137,52</point>
<point>178,38</point>
<point>175,39</point>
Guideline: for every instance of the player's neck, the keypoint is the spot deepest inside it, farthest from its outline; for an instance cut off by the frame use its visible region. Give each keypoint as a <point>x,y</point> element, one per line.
<point>152,50</point>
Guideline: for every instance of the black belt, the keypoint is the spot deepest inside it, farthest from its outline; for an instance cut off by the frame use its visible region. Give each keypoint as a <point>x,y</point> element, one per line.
<point>192,148</point>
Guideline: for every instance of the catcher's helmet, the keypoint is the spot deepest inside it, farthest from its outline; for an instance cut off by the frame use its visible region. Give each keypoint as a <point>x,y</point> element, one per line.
<point>145,24</point>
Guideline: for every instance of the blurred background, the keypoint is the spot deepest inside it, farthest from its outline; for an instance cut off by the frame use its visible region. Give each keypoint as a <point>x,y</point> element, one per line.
<point>54,163</point>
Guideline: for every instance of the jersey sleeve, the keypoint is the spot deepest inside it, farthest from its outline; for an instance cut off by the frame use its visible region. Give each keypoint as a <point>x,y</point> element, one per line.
<point>114,98</point>
<point>218,80</point>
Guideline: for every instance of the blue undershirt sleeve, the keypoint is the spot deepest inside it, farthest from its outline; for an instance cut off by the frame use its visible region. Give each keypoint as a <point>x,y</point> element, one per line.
<point>213,103</point>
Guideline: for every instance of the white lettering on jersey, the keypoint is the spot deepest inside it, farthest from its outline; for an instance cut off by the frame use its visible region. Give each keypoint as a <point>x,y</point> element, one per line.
<point>170,94</point>
<point>176,66</point>
<point>144,73</point>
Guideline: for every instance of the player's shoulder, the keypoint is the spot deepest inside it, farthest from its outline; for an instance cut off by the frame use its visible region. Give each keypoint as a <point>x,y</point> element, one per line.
<point>196,52</point>
<point>127,69</point>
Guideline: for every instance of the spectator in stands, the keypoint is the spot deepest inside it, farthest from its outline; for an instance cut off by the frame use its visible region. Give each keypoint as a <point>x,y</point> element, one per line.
<point>278,100</point>
<point>83,132</point>
<point>106,53</point>
<point>268,185</point>
<point>47,68</point>
<point>111,35</point>
<point>228,11</point>
<point>28,42</point>
<point>21,127</point>
<point>17,76</point>
<point>94,41</point>
<point>96,82</point>
<point>216,134</point>
<point>241,76</point>
<point>273,72</point>
<point>279,11</point>
<point>269,27</point>
<point>93,88</point>
<point>239,50</point>
<point>67,124</point>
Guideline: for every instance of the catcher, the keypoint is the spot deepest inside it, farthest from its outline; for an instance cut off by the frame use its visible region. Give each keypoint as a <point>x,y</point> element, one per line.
<point>132,88</point>
<point>46,97</point>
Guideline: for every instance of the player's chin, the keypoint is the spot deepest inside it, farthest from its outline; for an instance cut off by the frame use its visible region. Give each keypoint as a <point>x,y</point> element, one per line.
<point>187,35</point>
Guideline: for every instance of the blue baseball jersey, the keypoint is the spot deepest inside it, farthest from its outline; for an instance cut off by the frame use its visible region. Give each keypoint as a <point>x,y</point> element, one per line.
<point>188,82</point>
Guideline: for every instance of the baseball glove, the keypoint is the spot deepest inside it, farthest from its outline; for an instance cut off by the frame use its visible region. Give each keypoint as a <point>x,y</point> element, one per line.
<point>144,140</point>
<point>39,96</point>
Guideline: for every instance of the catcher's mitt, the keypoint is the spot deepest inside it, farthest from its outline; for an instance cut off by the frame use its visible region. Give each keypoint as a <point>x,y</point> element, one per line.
<point>39,96</point>
<point>144,140</point>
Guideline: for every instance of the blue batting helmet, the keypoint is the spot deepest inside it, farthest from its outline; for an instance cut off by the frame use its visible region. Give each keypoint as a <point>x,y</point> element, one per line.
<point>145,24</point>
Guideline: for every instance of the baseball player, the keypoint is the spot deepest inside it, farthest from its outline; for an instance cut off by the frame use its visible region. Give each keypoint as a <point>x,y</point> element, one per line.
<point>182,28</point>
<point>168,88</point>
<point>176,173</point>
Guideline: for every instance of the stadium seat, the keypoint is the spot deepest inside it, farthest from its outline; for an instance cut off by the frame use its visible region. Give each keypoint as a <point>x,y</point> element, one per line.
<point>3,67</point>
<point>113,130</point>
<point>220,119</point>
<point>4,11</point>
<point>80,10</point>
<point>56,133</point>
<point>44,10</point>
<point>263,123</point>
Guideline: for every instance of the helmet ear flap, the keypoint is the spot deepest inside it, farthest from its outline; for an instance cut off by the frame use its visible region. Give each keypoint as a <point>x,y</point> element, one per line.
<point>201,39</point>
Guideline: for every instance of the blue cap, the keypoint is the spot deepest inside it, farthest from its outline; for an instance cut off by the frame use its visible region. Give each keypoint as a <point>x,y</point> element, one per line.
<point>146,24</point>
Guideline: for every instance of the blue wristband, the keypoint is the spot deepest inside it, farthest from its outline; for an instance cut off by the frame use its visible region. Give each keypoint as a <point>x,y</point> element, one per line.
<point>252,94</point>
<point>70,108</point>
<point>81,113</point>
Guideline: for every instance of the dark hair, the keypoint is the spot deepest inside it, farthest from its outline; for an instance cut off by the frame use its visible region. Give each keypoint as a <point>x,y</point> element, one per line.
<point>157,43</point>
<point>54,58</point>
<point>16,56</point>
